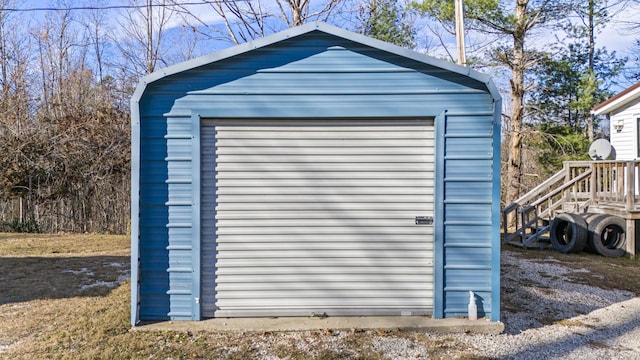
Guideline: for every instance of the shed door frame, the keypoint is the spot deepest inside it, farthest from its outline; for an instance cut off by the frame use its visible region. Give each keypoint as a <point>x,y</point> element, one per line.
<point>197,143</point>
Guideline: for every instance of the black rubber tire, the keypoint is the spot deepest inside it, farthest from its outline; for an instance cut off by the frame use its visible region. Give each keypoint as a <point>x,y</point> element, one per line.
<point>608,234</point>
<point>568,233</point>
<point>589,218</point>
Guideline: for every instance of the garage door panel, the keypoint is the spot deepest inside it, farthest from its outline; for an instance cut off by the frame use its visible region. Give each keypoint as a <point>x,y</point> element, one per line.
<point>323,190</point>
<point>328,283</point>
<point>417,207</point>
<point>323,158</point>
<point>313,274</point>
<point>362,186</point>
<point>373,254</point>
<point>326,174</point>
<point>325,245</point>
<point>251,240</point>
<point>336,126</point>
<point>325,150</point>
<point>311,223</point>
<point>302,264</point>
<point>356,232</point>
<point>266,183</point>
<point>317,218</point>
<point>323,198</point>
<point>300,133</point>
<point>231,267</point>
<point>317,214</point>
<point>325,293</point>
<point>391,169</point>
<point>244,144</point>
<point>312,305</point>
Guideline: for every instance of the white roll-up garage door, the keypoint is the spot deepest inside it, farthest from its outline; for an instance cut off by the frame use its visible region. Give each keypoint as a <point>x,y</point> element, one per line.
<point>301,218</point>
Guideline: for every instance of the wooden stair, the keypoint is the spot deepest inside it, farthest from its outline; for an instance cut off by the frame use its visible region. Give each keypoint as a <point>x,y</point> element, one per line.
<point>533,212</point>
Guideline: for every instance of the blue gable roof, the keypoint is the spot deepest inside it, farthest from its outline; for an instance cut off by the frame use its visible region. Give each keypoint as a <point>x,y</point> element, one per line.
<point>304,29</point>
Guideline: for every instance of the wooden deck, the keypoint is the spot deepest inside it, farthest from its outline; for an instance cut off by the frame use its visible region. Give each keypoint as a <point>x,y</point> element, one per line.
<point>608,187</point>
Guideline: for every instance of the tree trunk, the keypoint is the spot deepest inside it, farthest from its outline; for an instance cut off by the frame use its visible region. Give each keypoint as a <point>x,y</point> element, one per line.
<point>514,160</point>
<point>296,11</point>
<point>592,47</point>
<point>150,67</point>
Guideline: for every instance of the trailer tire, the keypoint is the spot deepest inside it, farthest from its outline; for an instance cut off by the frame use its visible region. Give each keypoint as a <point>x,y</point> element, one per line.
<point>608,235</point>
<point>568,233</point>
<point>589,218</point>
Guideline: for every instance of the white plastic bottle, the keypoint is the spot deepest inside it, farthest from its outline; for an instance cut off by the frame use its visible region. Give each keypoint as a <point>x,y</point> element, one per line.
<point>473,309</point>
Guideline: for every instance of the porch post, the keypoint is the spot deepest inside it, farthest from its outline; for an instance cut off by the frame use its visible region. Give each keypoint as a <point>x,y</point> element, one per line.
<point>593,183</point>
<point>631,238</point>
<point>566,197</point>
<point>631,185</point>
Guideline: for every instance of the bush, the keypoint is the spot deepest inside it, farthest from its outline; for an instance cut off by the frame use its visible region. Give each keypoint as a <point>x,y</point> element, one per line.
<point>28,226</point>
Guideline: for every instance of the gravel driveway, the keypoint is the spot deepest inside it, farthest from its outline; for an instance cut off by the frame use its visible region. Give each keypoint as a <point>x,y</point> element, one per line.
<point>595,323</point>
<point>546,316</point>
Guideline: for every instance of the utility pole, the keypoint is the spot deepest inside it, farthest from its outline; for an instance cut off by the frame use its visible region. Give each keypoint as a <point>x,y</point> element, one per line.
<point>462,58</point>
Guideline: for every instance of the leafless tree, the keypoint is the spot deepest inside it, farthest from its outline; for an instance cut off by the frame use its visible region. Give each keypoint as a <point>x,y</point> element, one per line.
<point>66,162</point>
<point>142,39</point>
<point>246,20</point>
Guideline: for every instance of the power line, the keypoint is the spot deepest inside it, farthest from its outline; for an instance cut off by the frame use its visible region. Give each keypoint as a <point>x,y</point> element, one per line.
<point>112,7</point>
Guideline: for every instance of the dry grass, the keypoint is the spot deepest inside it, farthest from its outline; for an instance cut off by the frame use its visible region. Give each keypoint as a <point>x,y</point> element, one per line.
<point>605,273</point>
<point>60,245</point>
<point>58,290</point>
<point>64,298</point>
<point>573,323</point>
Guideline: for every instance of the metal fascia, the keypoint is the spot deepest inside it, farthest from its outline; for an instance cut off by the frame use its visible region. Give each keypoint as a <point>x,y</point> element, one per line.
<point>495,213</point>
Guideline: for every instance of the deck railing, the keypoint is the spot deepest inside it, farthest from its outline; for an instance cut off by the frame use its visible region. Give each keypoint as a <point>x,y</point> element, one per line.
<point>615,184</point>
<point>577,187</point>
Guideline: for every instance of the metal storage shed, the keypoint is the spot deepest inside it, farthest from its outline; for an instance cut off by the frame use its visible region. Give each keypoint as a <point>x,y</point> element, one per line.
<point>315,171</point>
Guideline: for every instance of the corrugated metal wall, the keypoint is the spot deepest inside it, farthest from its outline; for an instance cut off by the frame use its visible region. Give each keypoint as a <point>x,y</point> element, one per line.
<point>465,205</point>
<point>153,192</point>
<point>315,75</point>
<point>183,218</point>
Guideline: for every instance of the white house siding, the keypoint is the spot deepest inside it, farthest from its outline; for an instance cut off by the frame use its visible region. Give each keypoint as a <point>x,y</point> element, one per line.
<point>625,142</point>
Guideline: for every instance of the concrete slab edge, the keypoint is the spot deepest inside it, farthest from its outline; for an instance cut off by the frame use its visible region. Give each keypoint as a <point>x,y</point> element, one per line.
<point>292,324</point>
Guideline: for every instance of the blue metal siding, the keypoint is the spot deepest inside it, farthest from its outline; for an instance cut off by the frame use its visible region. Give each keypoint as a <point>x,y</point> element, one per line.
<point>467,220</point>
<point>181,163</point>
<point>153,235</point>
<point>317,75</point>
<point>337,82</point>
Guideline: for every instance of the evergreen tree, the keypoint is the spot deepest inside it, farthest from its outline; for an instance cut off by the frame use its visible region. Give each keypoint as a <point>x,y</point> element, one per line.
<point>567,89</point>
<point>385,20</point>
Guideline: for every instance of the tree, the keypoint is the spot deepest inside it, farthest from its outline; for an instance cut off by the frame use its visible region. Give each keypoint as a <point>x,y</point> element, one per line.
<point>593,15</point>
<point>143,45</point>
<point>567,89</point>
<point>517,23</point>
<point>66,159</point>
<point>15,76</point>
<point>384,20</point>
<point>62,51</point>
<point>97,27</point>
<point>246,20</point>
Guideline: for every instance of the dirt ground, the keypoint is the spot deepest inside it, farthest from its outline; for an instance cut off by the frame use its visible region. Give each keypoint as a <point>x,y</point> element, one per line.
<point>67,297</point>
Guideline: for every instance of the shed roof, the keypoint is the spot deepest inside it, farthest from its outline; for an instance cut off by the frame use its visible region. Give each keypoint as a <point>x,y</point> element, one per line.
<point>619,100</point>
<point>301,30</point>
